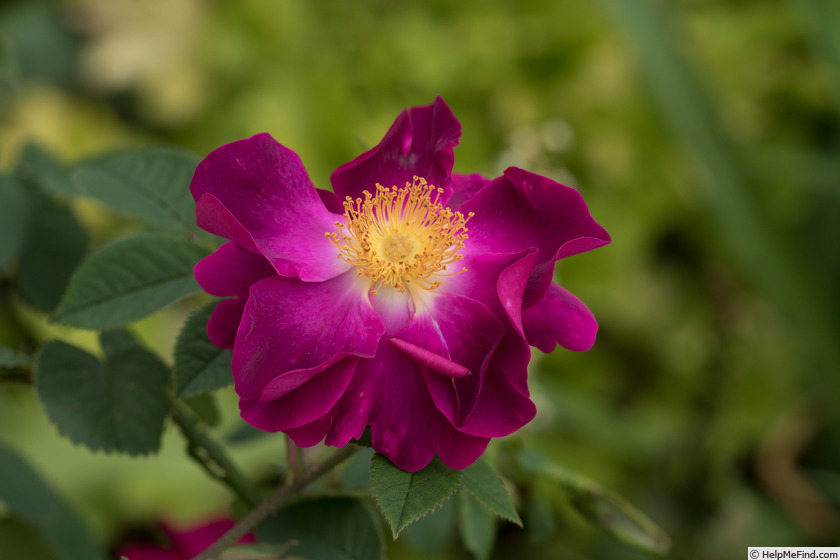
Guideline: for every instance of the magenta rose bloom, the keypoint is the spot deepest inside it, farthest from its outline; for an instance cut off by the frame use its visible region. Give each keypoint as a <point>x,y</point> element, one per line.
<point>183,544</point>
<point>405,301</point>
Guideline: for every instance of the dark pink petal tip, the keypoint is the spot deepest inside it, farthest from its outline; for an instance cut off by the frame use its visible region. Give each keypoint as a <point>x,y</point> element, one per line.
<point>560,318</point>
<point>419,143</point>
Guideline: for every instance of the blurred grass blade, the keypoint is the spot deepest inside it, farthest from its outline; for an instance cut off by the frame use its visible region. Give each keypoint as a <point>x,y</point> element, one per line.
<point>760,250</point>
<point>8,68</point>
<point>29,498</point>
<point>600,506</point>
<point>823,20</point>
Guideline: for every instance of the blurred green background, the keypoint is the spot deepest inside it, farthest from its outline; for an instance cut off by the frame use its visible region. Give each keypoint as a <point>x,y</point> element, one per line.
<point>703,134</point>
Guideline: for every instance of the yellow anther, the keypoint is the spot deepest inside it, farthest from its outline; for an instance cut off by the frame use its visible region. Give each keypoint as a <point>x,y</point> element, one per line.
<point>401,235</point>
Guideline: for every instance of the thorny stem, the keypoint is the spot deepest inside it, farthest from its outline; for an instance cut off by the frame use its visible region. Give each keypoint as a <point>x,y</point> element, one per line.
<point>275,501</point>
<point>210,454</point>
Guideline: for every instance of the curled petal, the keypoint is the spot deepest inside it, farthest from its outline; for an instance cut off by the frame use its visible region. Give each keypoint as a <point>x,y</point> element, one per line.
<point>388,394</point>
<point>256,192</point>
<point>502,407</point>
<point>302,405</point>
<point>521,210</point>
<point>430,360</point>
<point>419,143</point>
<point>456,334</point>
<point>289,327</point>
<point>231,270</point>
<point>224,322</point>
<point>496,280</point>
<point>560,318</point>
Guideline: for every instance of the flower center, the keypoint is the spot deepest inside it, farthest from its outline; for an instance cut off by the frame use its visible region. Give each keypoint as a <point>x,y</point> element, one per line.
<point>401,236</point>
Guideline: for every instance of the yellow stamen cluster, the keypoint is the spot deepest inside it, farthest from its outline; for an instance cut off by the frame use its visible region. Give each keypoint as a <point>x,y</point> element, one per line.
<point>401,236</point>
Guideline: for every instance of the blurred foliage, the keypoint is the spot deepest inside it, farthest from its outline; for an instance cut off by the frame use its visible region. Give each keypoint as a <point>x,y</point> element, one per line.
<point>704,135</point>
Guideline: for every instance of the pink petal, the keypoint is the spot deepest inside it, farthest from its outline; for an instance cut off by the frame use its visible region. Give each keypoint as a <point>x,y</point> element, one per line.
<point>224,322</point>
<point>388,394</point>
<point>457,333</point>
<point>502,408</point>
<point>560,318</point>
<point>231,270</point>
<point>406,426</point>
<point>289,325</point>
<point>306,403</point>
<point>260,188</point>
<point>464,187</point>
<point>419,143</point>
<point>521,210</point>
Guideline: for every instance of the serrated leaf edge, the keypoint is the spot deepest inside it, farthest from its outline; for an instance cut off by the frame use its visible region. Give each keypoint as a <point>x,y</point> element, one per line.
<point>167,208</point>
<point>517,521</point>
<point>396,531</point>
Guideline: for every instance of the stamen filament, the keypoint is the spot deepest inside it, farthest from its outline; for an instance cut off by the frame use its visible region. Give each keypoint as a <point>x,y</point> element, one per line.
<point>401,235</point>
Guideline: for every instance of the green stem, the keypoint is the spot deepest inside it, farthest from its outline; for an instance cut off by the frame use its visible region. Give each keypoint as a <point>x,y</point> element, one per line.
<point>274,502</point>
<point>213,458</point>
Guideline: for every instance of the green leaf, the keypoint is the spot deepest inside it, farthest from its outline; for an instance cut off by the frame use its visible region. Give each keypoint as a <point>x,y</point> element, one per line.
<point>477,524</point>
<point>485,485</point>
<point>152,184</point>
<point>609,511</point>
<point>404,497</point>
<point>129,279</point>
<point>205,408</point>
<point>335,528</point>
<point>11,359</point>
<point>40,168</point>
<point>14,220</point>
<point>29,498</point>
<point>9,74</point>
<point>118,406</point>
<point>54,247</point>
<point>200,367</point>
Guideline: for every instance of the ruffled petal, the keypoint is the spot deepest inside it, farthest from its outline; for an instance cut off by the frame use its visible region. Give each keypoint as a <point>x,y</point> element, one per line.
<point>388,394</point>
<point>312,433</point>
<point>231,270</point>
<point>502,408</point>
<point>560,318</point>
<point>456,337</point>
<point>224,322</point>
<point>306,403</point>
<point>496,280</point>
<point>503,405</point>
<point>419,143</point>
<point>521,210</point>
<point>256,192</point>
<point>290,326</point>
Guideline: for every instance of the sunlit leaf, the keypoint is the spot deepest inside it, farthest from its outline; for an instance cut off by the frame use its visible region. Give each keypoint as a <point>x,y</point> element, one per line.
<point>151,184</point>
<point>129,279</point>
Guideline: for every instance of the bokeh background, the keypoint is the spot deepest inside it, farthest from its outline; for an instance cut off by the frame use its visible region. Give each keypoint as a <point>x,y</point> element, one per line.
<point>704,135</point>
